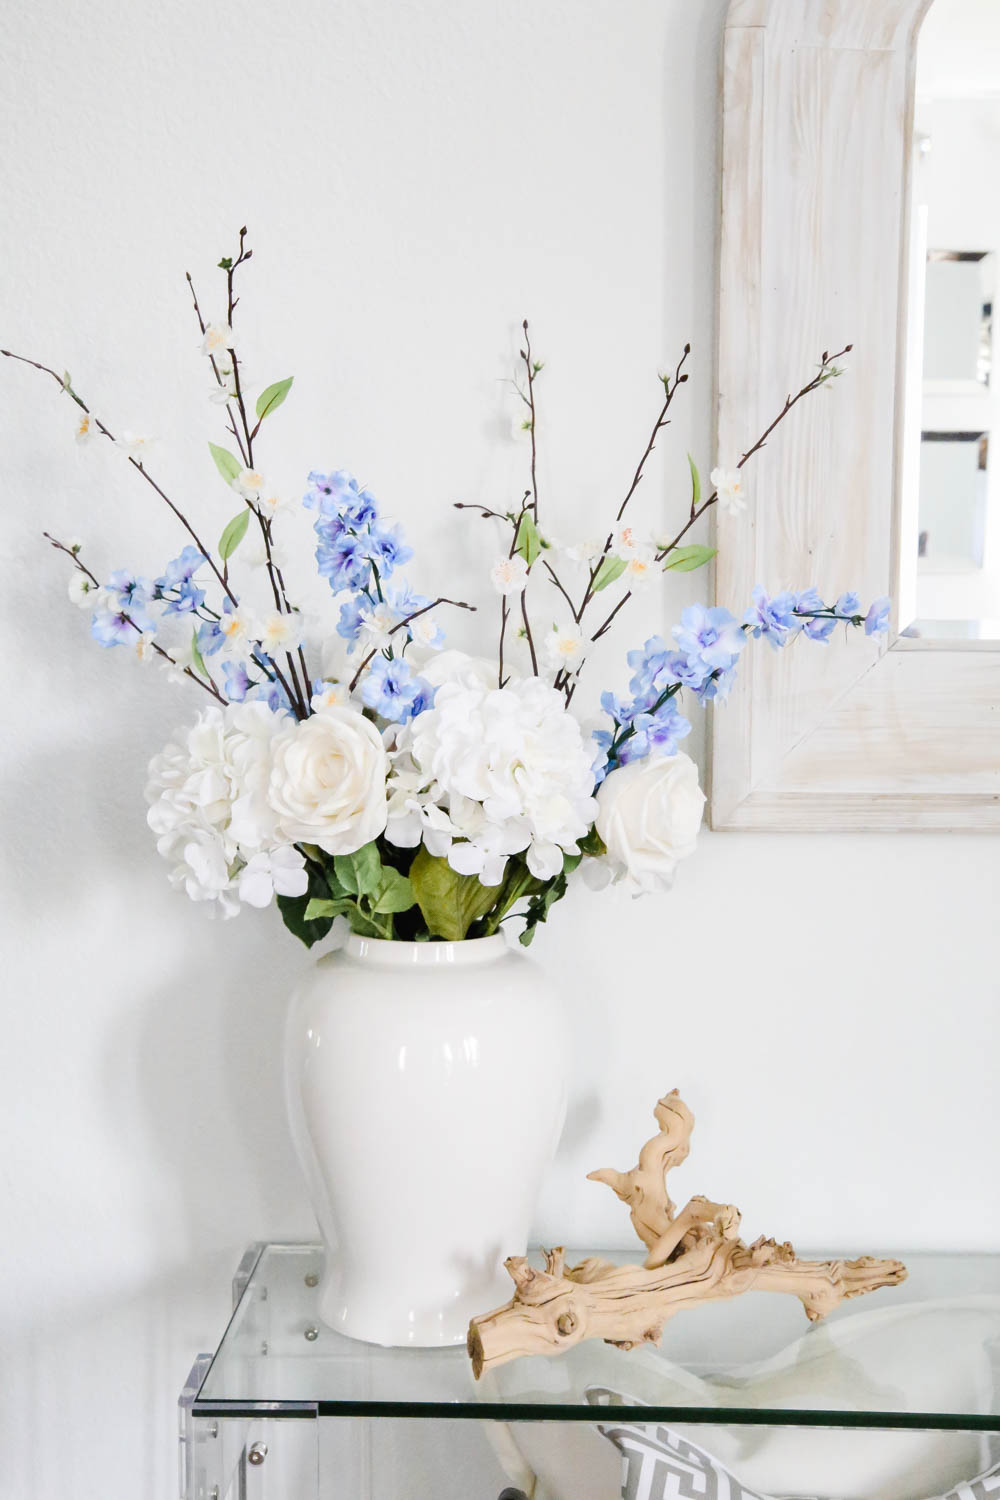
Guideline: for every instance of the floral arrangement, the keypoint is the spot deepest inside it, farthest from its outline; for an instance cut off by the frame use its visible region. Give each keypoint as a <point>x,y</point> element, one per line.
<point>414,790</point>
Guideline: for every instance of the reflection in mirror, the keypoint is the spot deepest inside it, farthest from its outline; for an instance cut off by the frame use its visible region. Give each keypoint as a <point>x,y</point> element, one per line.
<point>958,319</point>
<point>949,588</point>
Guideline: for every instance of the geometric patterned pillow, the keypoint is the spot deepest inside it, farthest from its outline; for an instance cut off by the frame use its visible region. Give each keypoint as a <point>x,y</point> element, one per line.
<point>657,1464</point>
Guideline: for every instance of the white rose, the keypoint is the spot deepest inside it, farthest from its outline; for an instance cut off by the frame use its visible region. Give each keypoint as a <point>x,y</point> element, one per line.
<point>649,814</point>
<point>327,783</point>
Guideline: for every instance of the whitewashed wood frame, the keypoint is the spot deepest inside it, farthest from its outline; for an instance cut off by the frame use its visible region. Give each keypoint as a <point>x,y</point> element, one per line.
<point>880,734</point>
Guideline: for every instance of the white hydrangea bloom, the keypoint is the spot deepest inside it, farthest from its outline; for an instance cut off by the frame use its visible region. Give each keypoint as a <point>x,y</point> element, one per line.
<point>490,772</point>
<point>210,811</point>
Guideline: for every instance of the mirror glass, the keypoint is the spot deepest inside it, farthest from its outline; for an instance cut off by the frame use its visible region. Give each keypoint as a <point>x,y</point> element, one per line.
<point>949,588</point>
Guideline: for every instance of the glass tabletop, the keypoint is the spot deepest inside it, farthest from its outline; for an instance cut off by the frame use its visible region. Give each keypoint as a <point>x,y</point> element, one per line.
<point>923,1355</point>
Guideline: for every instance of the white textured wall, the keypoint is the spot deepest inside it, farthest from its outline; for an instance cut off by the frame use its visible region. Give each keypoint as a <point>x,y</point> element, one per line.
<point>417,177</point>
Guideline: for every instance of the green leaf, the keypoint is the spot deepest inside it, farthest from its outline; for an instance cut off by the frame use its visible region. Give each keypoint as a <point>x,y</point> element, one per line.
<point>529,543</point>
<point>695,483</point>
<point>539,906</point>
<point>449,902</point>
<point>227,465</point>
<point>359,873</point>
<point>686,559</point>
<point>592,843</point>
<point>269,400</point>
<point>395,892</point>
<point>319,907</point>
<point>233,534</point>
<point>610,569</point>
<point>366,926</point>
<point>308,930</point>
<point>197,660</point>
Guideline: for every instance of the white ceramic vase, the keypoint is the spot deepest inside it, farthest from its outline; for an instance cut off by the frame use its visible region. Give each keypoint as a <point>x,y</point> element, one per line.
<point>427,1091</point>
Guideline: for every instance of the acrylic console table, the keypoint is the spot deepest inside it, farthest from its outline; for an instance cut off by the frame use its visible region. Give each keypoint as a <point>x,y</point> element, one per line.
<point>900,1404</point>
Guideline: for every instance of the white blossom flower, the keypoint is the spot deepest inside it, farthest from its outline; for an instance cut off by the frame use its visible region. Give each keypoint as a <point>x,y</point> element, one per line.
<point>278,632</point>
<point>626,542</point>
<point>179,658</point>
<point>424,629</point>
<point>376,627</point>
<point>83,591</point>
<point>732,491</point>
<point>137,445</point>
<point>564,647</point>
<point>327,783</point>
<point>641,568</point>
<point>225,387</point>
<point>270,503</point>
<point>509,575</point>
<point>218,339</point>
<point>250,483</point>
<point>237,630</point>
<point>332,695</point>
<point>505,771</point>
<point>253,552</point>
<point>587,551</point>
<point>649,814</point>
<point>273,872</point>
<point>86,428</point>
<point>145,647</point>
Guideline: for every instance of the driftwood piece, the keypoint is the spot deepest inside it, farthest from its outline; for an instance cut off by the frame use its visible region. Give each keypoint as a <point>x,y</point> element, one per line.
<point>694,1256</point>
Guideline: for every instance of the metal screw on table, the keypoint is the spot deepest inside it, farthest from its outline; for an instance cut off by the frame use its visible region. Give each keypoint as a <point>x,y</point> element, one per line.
<point>312,1334</point>
<point>312,1279</point>
<point>213,1430</point>
<point>257,1454</point>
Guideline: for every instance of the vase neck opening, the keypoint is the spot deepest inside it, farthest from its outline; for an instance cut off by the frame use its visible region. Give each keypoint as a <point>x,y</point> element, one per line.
<point>400,955</point>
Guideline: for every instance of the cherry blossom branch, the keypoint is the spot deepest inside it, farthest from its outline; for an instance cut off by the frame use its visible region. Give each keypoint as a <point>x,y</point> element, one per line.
<point>423,610</point>
<point>215,370</point>
<point>670,388</point>
<point>532,370</point>
<point>136,464</point>
<point>300,699</point>
<point>209,686</point>
<point>827,371</point>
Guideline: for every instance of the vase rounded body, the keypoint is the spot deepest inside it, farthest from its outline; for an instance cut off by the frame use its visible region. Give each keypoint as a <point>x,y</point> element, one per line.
<point>427,1090</point>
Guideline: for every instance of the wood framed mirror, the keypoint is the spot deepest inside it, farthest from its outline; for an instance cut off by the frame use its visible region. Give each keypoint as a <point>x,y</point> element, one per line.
<point>817,250</point>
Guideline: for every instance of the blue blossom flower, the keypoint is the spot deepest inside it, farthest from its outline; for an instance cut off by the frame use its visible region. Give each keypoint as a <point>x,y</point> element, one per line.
<point>388,550</point>
<point>128,591</point>
<point>113,627</point>
<point>847,606</point>
<point>181,569</point>
<point>271,693</point>
<point>772,618</point>
<point>655,734</point>
<point>394,691</point>
<point>711,635</point>
<point>352,613</point>
<point>237,681</point>
<point>343,559</point>
<point>187,599</point>
<point>877,618</point>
